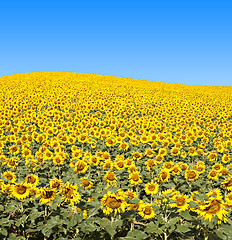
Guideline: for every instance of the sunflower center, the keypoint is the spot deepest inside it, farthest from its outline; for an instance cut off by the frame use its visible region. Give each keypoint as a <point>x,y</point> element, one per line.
<point>69,193</point>
<point>168,165</point>
<point>120,164</point>
<point>181,201</point>
<point>151,187</point>
<point>164,175</point>
<point>113,203</point>
<point>191,174</point>
<point>147,210</point>
<point>134,206</point>
<point>214,207</point>
<point>56,185</point>
<point>80,166</point>
<point>175,169</point>
<point>85,182</point>
<point>135,177</point>
<point>229,183</point>
<point>31,179</point>
<point>9,177</point>
<point>48,194</point>
<point>213,174</point>
<point>217,167</point>
<point>58,160</point>
<point>175,151</point>
<point>110,177</point>
<point>21,189</point>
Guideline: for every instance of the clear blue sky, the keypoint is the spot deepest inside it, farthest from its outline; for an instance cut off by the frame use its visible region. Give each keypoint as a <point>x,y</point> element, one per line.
<point>186,42</point>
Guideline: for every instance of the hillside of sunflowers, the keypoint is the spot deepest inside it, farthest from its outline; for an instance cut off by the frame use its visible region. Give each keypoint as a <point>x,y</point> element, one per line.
<point>86,156</point>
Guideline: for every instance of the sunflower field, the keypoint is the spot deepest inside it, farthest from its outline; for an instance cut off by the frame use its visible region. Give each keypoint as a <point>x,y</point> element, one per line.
<point>86,156</point>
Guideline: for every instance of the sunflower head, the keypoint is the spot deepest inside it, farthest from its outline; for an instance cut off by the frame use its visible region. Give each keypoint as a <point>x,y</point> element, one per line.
<point>20,191</point>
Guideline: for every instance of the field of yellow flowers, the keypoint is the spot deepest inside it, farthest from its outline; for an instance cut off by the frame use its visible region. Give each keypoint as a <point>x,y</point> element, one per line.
<point>86,156</point>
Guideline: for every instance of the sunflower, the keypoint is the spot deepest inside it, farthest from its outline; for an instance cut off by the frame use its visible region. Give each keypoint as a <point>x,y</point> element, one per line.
<point>113,203</point>
<point>58,160</point>
<point>47,195</point>
<point>149,152</point>
<point>225,158</point>
<point>200,166</point>
<point>1,185</point>
<point>176,170</point>
<point>108,165</point>
<point>124,146</point>
<point>144,139</point>
<point>164,176</point>
<point>162,152</point>
<point>215,194</point>
<point>150,164</point>
<point>151,188</point>
<point>137,155</point>
<point>81,166</point>
<point>167,166</point>
<point>228,198</point>
<point>191,175</point>
<point>86,183</point>
<point>217,167</point>
<point>34,192</point>
<point>175,151</point>
<point>146,211</point>
<point>130,194</point>
<point>56,183</point>
<point>212,156</point>
<point>13,162</point>
<point>32,179</point>
<point>70,193</point>
<point>227,184</point>
<point>212,207</point>
<point>10,176</point>
<point>82,138</point>
<point>95,160</point>
<point>20,191</point>
<point>76,153</point>
<point>110,141</point>
<point>159,159</point>
<point>132,168</point>
<point>48,155</point>
<point>181,202</point>
<point>213,175</point>
<point>120,165</point>
<point>134,206</point>
<point>110,178</point>
<point>183,155</point>
<point>135,178</point>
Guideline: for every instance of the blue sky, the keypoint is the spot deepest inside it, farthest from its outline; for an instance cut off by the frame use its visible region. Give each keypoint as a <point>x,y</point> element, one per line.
<point>186,42</point>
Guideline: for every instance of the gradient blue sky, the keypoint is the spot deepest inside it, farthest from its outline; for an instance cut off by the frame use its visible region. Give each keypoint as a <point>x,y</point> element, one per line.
<point>186,42</point>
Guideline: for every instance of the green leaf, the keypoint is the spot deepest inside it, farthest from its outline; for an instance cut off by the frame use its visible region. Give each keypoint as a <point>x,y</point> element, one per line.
<point>35,214</point>
<point>54,221</point>
<point>47,231</point>
<point>4,222</point>
<point>88,226</point>
<point>135,235</point>
<point>92,212</point>
<point>182,229</point>
<point>3,231</point>
<point>173,221</point>
<point>186,215</point>
<point>107,225</point>
<point>150,227</point>
<point>227,229</point>
<point>220,234</point>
